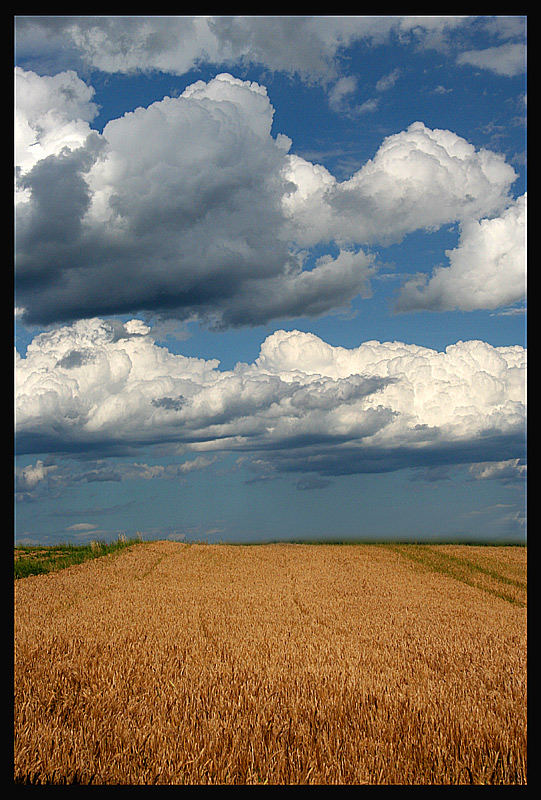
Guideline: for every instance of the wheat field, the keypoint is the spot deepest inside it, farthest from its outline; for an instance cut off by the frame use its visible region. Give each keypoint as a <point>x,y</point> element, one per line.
<point>194,664</point>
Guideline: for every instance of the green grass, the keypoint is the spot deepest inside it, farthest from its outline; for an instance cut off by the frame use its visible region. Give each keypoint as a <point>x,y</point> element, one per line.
<point>373,541</point>
<point>40,559</point>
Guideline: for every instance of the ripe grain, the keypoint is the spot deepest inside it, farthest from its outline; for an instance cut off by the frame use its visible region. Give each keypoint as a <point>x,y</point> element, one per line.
<point>280,664</point>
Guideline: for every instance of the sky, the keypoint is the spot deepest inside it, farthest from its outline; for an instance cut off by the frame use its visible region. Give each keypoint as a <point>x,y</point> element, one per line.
<point>270,278</point>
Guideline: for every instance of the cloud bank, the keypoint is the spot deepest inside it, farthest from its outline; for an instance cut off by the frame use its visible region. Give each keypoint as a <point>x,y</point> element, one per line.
<point>308,47</point>
<point>192,207</point>
<point>302,405</point>
<point>315,50</point>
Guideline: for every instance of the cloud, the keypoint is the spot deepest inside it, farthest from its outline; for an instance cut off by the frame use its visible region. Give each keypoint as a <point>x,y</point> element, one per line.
<point>368,107</point>
<point>432,474</point>
<point>309,483</point>
<point>309,47</point>
<point>132,220</point>
<point>190,208</point>
<point>51,112</point>
<point>342,89</point>
<point>510,469</point>
<point>307,292</point>
<point>302,405</point>
<point>29,477</point>
<point>388,81</point>
<point>510,312</point>
<point>34,481</point>
<point>506,59</point>
<point>505,27</point>
<point>82,526</point>
<point>418,179</point>
<point>341,98</point>
<point>486,271</point>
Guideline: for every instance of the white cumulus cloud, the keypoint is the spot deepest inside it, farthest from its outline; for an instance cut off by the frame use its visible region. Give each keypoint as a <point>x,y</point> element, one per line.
<point>487,270</point>
<point>303,403</point>
<point>418,179</point>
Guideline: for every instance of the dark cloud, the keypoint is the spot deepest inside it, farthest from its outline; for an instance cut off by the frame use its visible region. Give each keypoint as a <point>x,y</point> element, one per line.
<point>309,483</point>
<point>49,235</point>
<point>188,228</point>
<point>75,358</point>
<point>171,403</point>
<point>353,459</point>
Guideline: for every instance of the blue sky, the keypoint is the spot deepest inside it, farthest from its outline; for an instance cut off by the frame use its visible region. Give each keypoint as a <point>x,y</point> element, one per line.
<point>270,277</point>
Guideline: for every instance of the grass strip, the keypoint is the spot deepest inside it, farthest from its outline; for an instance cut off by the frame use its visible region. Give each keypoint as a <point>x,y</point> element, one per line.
<point>468,564</point>
<point>38,560</point>
<point>460,569</point>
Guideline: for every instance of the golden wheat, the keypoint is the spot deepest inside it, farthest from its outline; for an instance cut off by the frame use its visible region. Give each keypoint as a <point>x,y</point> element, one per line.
<point>199,664</point>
